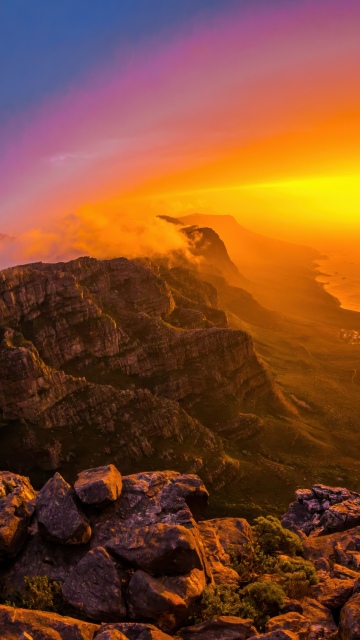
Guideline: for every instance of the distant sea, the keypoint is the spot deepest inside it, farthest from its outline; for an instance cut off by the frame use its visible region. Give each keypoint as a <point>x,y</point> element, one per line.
<point>341,277</point>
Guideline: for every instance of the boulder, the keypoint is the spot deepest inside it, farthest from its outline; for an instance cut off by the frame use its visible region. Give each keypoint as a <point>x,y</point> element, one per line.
<point>24,623</point>
<point>189,586</point>
<point>322,510</point>
<point>279,634</point>
<point>291,621</point>
<point>148,598</point>
<point>223,627</point>
<point>349,626</point>
<point>136,631</point>
<point>333,592</point>
<point>111,634</point>
<point>99,486</point>
<point>58,516</point>
<point>319,617</point>
<point>217,558</point>
<point>232,532</point>
<point>158,549</point>
<point>94,587</point>
<point>16,508</point>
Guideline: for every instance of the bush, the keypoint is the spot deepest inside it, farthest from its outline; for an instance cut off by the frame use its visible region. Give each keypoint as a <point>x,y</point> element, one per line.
<point>41,593</point>
<point>273,538</point>
<point>222,600</point>
<point>266,598</point>
<point>297,575</point>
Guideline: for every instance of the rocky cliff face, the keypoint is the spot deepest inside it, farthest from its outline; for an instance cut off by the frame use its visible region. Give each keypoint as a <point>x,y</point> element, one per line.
<point>112,358</point>
<point>131,557</point>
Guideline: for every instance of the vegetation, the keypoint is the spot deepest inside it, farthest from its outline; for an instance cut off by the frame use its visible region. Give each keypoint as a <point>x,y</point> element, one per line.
<point>41,594</point>
<point>270,569</point>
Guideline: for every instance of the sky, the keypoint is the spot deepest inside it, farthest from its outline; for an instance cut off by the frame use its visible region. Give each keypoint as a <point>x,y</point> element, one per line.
<point>113,112</point>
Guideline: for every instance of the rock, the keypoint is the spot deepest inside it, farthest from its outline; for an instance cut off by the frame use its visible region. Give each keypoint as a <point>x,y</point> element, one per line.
<point>332,546</point>
<point>136,631</point>
<point>16,508</point>
<point>189,586</point>
<point>158,549</point>
<point>16,623</point>
<point>338,571</point>
<point>149,598</point>
<point>58,516</point>
<point>340,517</point>
<point>111,634</point>
<point>320,618</point>
<point>322,510</point>
<point>39,558</point>
<point>333,592</point>
<point>278,634</point>
<point>349,626</point>
<point>291,621</point>
<point>218,559</point>
<point>223,627</point>
<point>292,605</point>
<point>232,532</point>
<point>99,486</point>
<point>94,587</point>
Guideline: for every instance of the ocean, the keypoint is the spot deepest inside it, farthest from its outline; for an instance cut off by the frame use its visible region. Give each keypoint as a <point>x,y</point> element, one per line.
<point>340,275</point>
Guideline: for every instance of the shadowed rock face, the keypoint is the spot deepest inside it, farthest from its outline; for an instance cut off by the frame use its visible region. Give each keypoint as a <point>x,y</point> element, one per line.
<point>105,360</point>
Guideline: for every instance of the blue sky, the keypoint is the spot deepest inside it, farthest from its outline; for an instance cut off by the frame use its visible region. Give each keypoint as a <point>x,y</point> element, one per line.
<point>47,44</point>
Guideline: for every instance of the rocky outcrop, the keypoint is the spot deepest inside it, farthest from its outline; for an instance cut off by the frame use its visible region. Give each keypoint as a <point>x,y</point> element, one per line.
<point>16,508</point>
<point>147,557</point>
<point>226,627</point>
<point>322,510</point>
<point>104,352</point>
<point>39,625</point>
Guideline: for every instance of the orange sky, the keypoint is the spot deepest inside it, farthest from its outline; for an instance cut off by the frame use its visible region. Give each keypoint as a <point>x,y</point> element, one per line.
<point>255,114</point>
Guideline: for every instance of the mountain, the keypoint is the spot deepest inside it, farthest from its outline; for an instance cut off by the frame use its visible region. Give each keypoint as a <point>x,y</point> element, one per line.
<point>116,359</point>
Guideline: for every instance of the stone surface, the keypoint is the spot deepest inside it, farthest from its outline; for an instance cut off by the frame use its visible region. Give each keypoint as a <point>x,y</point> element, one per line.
<point>138,338</point>
<point>148,598</point>
<point>16,508</point>
<point>291,621</point>
<point>99,486</point>
<point>158,549</point>
<point>42,626</point>
<point>189,586</point>
<point>94,587</point>
<point>333,592</point>
<point>349,626</point>
<point>58,516</point>
<point>110,634</point>
<point>136,631</point>
<point>320,618</point>
<point>323,510</point>
<point>218,559</point>
<point>223,627</point>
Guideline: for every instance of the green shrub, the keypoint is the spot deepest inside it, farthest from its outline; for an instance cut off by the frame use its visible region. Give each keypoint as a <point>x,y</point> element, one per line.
<point>40,593</point>
<point>273,538</point>
<point>297,575</point>
<point>265,597</point>
<point>221,600</point>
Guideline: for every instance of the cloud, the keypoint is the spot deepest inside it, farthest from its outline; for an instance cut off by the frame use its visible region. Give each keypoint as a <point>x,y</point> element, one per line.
<point>95,231</point>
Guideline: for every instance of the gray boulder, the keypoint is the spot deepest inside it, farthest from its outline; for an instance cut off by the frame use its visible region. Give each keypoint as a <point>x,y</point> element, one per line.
<point>99,486</point>
<point>58,516</point>
<point>94,587</point>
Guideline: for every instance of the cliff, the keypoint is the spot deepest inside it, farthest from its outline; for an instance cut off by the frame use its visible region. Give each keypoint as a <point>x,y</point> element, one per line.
<point>111,359</point>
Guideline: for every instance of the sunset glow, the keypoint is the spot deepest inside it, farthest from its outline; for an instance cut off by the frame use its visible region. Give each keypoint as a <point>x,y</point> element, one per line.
<point>253,112</point>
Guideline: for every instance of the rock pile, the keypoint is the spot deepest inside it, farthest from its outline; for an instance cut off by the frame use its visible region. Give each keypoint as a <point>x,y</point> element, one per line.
<point>133,557</point>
